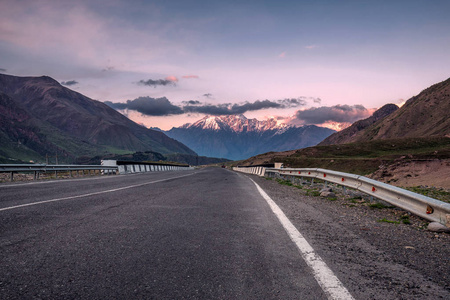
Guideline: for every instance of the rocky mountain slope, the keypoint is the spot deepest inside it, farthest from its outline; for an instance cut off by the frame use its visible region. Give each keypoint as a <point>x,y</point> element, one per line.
<point>353,132</point>
<point>41,116</point>
<point>424,115</point>
<point>236,137</point>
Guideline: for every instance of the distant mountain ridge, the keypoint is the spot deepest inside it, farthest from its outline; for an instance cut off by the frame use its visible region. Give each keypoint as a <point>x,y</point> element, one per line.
<point>40,116</point>
<point>424,115</point>
<point>236,137</point>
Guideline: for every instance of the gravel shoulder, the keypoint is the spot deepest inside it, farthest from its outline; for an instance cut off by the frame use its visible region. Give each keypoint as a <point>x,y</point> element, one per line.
<point>373,258</point>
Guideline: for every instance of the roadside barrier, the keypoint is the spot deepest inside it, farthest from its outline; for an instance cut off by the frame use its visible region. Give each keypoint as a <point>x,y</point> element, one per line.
<point>126,167</point>
<point>420,205</point>
<point>37,169</point>
<point>107,167</point>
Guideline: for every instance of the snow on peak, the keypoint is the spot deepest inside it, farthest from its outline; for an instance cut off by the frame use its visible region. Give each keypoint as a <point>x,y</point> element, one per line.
<point>236,123</point>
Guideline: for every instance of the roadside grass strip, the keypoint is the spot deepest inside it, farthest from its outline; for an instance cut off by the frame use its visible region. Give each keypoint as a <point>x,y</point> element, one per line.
<point>330,284</point>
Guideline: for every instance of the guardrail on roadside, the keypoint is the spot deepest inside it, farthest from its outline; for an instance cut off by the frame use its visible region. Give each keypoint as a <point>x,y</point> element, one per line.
<point>126,167</point>
<point>420,205</point>
<point>107,167</point>
<point>37,169</point>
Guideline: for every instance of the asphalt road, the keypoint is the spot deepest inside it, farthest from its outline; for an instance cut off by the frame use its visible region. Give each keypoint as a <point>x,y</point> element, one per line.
<point>205,234</point>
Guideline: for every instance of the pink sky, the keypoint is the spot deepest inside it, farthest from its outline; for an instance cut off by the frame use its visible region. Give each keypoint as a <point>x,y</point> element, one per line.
<point>345,53</point>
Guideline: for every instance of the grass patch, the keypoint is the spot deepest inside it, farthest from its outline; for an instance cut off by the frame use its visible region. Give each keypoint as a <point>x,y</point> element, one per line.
<point>313,193</point>
<point>268,178</point>
<point>405,219</point>
<point>379,206</point>
<point>435,193</point>
<point>388,221</point>
<point>332,198</point>
<point>284,182</point>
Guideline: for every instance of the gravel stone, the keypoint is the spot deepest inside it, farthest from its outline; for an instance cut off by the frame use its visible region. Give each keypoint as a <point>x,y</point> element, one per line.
<point>438,227</point>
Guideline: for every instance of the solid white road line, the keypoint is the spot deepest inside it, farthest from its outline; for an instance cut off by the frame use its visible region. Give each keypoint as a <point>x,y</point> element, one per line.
<point>329,283</point>
<point>91,194</point>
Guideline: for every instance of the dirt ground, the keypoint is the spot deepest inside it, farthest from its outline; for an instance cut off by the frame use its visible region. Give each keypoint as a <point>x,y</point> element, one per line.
<point>435,173</point>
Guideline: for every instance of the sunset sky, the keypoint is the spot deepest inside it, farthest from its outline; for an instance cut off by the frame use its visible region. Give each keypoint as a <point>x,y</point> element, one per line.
<point>166,63</point>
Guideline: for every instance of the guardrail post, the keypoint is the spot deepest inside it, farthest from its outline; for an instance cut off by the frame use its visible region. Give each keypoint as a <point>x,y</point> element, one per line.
<point>56,174</point>
<point>12,176</point>
<point>35,174</point>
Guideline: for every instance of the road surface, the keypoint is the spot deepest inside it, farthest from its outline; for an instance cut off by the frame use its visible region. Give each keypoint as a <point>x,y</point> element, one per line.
<point>201,234</point>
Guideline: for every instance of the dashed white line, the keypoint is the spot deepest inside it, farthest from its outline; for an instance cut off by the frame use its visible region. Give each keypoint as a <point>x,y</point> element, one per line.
<point>330,284</point>
<point>91,194</point>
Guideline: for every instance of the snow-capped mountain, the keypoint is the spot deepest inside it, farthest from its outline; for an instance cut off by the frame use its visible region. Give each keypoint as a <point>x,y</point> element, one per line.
<point>236,137</point>
<point>235,123</point>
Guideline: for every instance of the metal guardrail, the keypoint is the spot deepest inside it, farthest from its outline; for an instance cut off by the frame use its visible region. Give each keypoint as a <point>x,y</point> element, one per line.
<point>126,167</point>
<point>107,167</point>
<point>420,205</point>
<point>44,168</point>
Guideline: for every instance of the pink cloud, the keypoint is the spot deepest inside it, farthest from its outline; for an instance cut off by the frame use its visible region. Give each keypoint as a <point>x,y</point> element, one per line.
<point>282,54</point>
<point>172,78</point>
<point>310,47</point>
<point>190,77</point>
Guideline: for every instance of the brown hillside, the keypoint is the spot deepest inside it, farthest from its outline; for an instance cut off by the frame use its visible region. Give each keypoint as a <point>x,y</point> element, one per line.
<point>424,115</point>
<point>39,115</point>
<point>427,114</point>
<point>356,130</point>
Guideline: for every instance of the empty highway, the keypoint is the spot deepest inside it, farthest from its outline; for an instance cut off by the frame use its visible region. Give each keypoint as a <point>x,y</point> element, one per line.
<point>201,234</point>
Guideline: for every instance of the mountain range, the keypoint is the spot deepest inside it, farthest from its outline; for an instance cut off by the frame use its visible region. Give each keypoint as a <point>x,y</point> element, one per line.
<point>39,117</point>
<point>235,137</point>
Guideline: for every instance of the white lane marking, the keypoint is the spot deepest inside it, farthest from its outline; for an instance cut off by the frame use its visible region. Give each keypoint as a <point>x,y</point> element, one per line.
<point>91,194</point>
<point>330,284</point>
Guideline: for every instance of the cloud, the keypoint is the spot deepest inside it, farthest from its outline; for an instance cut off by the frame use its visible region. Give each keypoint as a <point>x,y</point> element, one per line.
<point>326,114</point>
<point>191,77</point>
<point>2,70</point>
<point>191,102</point>
<point>282,54</point>
<point>159,82</point>
<point>69,83</point>
<point>207,95</point>
<point>110,68</point>
<point>148,106</point>
<point>172,78</point>
<point>310,47</point>
<point>162,106</point>
<point>240,108</point>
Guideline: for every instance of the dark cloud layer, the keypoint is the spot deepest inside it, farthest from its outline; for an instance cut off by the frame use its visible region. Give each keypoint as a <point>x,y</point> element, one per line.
<point>149,106</point>
<point>2,70</point>
<point>69,83</point>
<point>162,106</point>
<point>158,82</point>
<point>337,113</point>
<point>191,102</point>
<point>233,109</point>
